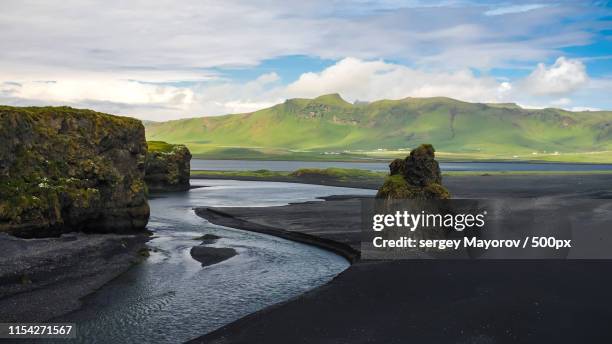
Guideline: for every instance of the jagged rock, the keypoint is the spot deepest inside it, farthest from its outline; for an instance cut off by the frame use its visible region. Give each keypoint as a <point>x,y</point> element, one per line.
<point>416,177</point>
<point>421,168</point>
<point>167,167</point>
<point>64,169</point>
<point>397,167</point>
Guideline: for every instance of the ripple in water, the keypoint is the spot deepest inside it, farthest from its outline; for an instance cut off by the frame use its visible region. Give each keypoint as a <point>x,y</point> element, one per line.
<point>170,298</point>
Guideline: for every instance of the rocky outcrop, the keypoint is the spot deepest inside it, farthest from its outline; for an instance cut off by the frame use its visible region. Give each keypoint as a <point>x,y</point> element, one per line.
<point>167,167</point>
<point>416,177</point>
<point>64,169</point>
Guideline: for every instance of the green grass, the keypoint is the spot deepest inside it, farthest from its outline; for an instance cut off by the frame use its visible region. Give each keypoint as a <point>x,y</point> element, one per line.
<point>329,128</point>
<point>603,157</point>
<point>159,146</point>
<point>300,175</point>
<point>337,173</point>
<point>349,174</point>
<point>254,174</point>
<point>332,172</point>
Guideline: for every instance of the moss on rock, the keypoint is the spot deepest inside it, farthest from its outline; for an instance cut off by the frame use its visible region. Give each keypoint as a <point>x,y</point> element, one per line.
<point>65,169</point>
<point>396,187</point>
<point>416,177</point>
<point>167,167</point>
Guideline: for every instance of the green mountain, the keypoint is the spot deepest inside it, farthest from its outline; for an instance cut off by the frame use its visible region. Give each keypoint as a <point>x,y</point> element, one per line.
<point>328,127</point>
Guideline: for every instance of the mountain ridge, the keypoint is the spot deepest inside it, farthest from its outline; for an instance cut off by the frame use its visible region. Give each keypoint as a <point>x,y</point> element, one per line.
<point>328,125</point>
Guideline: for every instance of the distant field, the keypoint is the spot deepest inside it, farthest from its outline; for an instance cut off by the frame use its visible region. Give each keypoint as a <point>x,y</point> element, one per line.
<point>278,154</point>
<point>337,173</point>
<point>328,128</point>
<point>343,174</point>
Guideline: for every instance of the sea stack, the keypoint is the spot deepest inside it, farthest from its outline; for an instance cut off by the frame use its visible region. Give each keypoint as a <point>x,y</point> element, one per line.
<point>64,169</point>
<point>167,167</point>
<point>416,177</point>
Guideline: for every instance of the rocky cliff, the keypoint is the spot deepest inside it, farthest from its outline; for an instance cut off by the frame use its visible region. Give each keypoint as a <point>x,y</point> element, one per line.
<point>63,169</point>
<point>416,177</point>
<point>167,167</point>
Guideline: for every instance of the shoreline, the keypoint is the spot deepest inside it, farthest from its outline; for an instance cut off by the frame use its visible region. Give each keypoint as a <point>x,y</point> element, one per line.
<point>379,159</point>
<point>309,213</point>
<point>361,184</point>
<point>222,218</point>
<point>63,269</point>
<point>352,307</point>
<point>583,185</point>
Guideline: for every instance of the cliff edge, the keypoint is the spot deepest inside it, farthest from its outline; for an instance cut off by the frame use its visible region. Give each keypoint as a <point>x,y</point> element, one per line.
<point>65,169</point>
<point>167,167</point>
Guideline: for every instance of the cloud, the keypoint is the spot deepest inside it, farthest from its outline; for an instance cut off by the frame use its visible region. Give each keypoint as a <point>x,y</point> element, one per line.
<point>357,79</point>
<point>101,90</point>
<point>161,36</point>
<point>239,106</point>
<point>160,60</point>
<point>563,77</point>
<point>584,108</point>
<point>513,9</point>
<point>267,78</point>
<point>562,102</point>
<point>354,78</point>
<point>367,80</point>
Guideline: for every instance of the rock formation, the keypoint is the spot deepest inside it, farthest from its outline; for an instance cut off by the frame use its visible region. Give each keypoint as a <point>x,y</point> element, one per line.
<point>167,167</point>
<point>63,169</point>
<point>416,177</point>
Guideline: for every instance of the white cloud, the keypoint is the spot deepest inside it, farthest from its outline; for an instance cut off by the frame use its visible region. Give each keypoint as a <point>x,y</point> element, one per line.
<point>513,9</point>
<point>102,90</point>
<point>160,60</point>
<point>353,78</point>
<point>196,34</point>
<point>240,106</point>
<point>563,77</point>
<point>584,108</point>
<point>357,79</point>
<point>562,102</point>
<point>268,78</point>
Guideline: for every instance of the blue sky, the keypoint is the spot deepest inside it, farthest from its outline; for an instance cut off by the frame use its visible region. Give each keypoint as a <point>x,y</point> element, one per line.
<point>289,68</point>
<point>167,59</point>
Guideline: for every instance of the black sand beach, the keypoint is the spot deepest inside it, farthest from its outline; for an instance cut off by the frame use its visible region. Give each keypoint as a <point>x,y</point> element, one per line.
<point>430,301</point>
<point>211,255</point>
<point>44,278</point>
<point>366,183</point>
<point>473,186</point>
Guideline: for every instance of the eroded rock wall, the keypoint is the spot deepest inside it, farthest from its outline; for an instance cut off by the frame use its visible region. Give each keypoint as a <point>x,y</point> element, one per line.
<point>167,167</point>
<point>64,169</point>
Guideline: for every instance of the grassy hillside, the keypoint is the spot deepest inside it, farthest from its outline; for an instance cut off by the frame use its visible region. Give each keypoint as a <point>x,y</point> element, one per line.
<point>328,127</point>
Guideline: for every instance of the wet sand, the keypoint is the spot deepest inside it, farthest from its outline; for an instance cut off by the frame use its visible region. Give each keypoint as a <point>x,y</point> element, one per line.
<point>43,278</point>
<point>443,301</point>
<point>211,255</point>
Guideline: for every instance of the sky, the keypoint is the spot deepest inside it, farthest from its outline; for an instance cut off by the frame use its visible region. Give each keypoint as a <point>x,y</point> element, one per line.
<point>162,60</point>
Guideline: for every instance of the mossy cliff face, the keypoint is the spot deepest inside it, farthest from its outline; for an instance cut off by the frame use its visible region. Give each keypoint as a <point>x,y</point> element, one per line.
<point>167,167</point>
<point>63,169</point>
<point>416,177</point>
